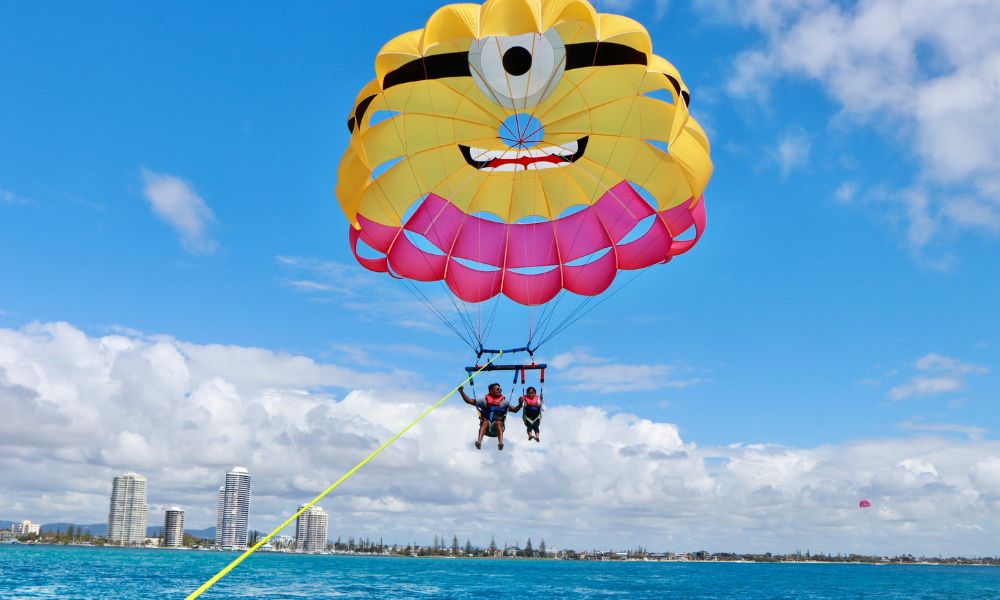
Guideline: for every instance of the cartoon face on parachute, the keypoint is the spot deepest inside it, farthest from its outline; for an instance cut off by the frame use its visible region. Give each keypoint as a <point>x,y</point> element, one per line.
<point>522,147</point>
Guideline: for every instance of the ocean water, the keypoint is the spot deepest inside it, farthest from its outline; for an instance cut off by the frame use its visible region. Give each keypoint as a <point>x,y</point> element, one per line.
<point>81,572</point>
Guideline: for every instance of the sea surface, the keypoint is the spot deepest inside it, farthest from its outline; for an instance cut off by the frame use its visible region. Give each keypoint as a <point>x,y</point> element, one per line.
<point>90,572</point>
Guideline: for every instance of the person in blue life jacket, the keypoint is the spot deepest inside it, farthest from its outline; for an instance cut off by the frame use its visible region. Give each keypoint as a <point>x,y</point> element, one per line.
<point>492,409</point>
<point>532,416</point>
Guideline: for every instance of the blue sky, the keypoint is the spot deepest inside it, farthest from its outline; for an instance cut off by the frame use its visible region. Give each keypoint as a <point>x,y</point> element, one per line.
<point>844,293</point>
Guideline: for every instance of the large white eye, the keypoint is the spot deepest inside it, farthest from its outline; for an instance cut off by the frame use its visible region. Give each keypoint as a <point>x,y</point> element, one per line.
<point>518,71</point>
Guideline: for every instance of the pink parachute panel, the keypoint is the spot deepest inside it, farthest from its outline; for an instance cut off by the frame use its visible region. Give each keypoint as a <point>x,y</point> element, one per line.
<point>479,258</point>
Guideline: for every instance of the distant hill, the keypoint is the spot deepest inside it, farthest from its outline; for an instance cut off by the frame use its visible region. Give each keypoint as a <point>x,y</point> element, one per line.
<point>101,529</point>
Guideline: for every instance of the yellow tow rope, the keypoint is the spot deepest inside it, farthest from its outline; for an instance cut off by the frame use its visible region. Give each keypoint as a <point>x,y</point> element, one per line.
<point>208,584</point>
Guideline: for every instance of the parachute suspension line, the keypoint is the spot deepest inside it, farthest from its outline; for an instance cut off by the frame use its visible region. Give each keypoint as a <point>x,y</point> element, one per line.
<point>547,318</point>
<point>463,313</point>
<point>564,324</point>
<point>569,320</point>
<point>550,308</point>
<point>490,321</point>
<point>215,578</point>
<point>529,135</point>
<point>548,312</point>
<point>581,310</point>
<point>463,316</point>
<point>423,299</point>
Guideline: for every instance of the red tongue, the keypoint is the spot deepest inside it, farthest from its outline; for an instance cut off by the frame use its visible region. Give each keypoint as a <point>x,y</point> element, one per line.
<point>524,161</point>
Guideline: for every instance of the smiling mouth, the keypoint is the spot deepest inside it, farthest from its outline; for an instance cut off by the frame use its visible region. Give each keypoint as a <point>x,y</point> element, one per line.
<point>546,157</point>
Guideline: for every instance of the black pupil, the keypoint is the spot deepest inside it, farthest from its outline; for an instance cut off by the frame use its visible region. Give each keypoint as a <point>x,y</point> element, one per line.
<point>517,60</point>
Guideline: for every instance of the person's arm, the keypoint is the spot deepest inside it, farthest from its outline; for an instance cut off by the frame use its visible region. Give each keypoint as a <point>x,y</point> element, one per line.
<point>468,400</point>
<point>520,403</point>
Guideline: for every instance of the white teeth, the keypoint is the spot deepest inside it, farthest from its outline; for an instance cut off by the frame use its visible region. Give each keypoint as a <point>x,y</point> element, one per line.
<point>544,165</point>
<point>482,155</point>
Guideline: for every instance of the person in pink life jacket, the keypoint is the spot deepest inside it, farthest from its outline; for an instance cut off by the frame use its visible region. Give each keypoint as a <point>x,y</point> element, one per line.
<point>492,409</point>
<point>532,416</point>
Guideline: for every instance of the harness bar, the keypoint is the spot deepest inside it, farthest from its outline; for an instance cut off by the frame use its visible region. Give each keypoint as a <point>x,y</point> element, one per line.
<point>516,368</point>
<point>482,351</point>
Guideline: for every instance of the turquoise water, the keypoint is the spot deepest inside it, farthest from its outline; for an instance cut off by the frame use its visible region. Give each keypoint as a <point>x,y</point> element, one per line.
<point>75,572</point>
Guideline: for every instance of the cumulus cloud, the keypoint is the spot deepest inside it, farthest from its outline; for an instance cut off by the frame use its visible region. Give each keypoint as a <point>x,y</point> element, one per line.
<point>922,70</point>
<point>937,374</point>
<point>176,202</point>
<point>81,408</point>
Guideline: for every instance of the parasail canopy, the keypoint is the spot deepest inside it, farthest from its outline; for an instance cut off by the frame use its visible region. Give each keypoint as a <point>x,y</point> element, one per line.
<point>522,148</point>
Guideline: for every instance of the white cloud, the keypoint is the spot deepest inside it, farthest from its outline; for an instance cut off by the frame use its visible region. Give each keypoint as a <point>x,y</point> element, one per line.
<point>938,362</point>
<point>79,409</point>
<point>927,386</point>
<point>176,202</point>
<point>8,197</point>
<point>985,475</point>
<point>947,375</point>
<point>974,432</point>
<point>371,295</point>
<point>583,372</point>
<point>847,192</point>
<point>923,72</point>
<point>792,152</point>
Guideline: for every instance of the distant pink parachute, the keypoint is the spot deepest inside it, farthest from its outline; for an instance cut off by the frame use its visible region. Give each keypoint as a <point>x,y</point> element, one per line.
<point>866,503</point>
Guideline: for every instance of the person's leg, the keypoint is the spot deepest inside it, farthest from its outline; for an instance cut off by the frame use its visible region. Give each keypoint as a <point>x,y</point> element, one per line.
<point>483,426</point>
<point>500,435</point>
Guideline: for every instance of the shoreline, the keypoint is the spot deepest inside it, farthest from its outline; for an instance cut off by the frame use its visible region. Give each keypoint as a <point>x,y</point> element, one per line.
<point>521,558</point>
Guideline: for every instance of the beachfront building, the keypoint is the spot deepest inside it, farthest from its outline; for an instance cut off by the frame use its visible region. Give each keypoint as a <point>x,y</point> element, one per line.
<point>128,512</point>
<point>25,527</point>
<point>311,530</point>
<point>173,527</point>
<point>233,510</point>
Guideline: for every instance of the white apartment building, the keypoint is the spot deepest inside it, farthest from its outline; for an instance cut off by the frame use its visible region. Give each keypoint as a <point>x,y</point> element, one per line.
<point>233,510</point>
<point>128,513</point>
<point>25,527</point>
<point>173,527</point>
<point>311,530</point>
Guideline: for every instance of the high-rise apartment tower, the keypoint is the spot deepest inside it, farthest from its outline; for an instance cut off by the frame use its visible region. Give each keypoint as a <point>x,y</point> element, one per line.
<point>128,512</point>
<point>173,527</point>
<point>311,530</point>
<point>234,510</point>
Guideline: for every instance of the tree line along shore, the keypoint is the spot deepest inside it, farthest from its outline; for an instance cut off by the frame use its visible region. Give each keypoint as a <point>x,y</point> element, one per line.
<point>439,548</point>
